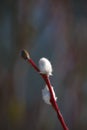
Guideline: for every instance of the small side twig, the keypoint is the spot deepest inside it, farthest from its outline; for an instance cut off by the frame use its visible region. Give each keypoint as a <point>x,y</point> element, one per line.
<point>25,55</point>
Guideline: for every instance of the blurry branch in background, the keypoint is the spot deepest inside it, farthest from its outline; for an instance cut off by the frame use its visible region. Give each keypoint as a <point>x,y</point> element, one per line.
<point>13,36</point>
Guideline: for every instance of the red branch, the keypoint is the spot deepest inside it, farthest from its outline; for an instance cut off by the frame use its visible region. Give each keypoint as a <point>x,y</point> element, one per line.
<point>26,56</point>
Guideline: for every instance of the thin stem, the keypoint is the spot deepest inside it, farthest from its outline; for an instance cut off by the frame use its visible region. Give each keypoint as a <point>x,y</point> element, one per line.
<point>26,56</point>
<point>54,104</point>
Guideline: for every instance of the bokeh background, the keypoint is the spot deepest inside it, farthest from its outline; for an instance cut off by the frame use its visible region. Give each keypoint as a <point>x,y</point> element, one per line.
<point>57,30</point>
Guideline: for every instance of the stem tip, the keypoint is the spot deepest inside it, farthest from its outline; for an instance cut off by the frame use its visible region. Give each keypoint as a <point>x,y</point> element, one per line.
<point>25,54</point>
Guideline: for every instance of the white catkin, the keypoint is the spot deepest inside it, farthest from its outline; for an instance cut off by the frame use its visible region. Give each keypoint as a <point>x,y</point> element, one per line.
<point>46,95</point>
<point>45,66</point>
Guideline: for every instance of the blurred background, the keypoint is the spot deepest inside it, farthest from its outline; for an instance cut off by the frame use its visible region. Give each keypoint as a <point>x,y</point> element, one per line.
<point>57,30</point>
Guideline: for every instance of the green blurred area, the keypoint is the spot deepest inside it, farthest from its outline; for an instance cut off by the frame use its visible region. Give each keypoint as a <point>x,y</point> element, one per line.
<point>57,30</point>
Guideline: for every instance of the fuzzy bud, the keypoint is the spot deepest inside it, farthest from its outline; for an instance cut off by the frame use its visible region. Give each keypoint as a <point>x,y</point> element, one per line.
<point>46,95</point>
<point>45,66</point>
